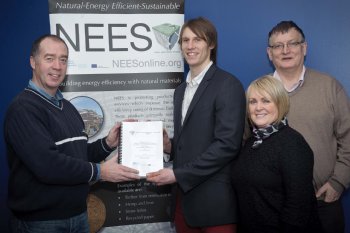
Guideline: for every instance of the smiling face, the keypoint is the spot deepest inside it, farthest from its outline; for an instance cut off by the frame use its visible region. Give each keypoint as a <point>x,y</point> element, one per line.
<point>49,65</point>
<point>261,109</point>
<point>289,56</point>
<point>195,50</point>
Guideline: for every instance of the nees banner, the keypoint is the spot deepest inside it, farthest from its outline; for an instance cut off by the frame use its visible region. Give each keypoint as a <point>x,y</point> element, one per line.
<point>124,62</point>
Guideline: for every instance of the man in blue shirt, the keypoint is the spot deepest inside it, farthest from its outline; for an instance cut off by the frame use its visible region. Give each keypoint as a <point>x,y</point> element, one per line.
<point>50,160</point>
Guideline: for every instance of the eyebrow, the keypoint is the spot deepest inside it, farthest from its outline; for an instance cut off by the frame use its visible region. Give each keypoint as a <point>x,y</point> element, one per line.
<point>53,55</point>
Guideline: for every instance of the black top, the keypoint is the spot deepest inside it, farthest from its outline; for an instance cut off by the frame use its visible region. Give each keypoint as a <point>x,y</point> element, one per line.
<point>274,185</point>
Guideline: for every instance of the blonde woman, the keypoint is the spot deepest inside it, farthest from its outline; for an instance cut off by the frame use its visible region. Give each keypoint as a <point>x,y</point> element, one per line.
<point>273,174</point>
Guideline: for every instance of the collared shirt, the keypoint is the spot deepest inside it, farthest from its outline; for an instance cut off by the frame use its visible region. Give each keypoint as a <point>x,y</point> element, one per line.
<point>53,99</point>
<point>296,85</point>
<point>191,88</point>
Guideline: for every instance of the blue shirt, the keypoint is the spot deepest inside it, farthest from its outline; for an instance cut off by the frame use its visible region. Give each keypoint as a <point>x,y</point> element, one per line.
<point>56,100</point>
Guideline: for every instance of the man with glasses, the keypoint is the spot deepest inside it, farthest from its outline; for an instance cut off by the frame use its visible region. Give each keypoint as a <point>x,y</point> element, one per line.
<point>320,111</point>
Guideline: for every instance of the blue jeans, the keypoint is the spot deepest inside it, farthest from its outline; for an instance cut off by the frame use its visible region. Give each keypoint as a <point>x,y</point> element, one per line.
<point>76,224</point>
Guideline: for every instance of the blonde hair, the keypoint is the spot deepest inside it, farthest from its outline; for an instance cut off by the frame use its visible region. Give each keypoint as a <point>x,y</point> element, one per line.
<point>268,85</point>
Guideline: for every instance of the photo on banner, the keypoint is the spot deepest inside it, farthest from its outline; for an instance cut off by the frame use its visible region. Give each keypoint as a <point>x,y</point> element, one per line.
<point>124,62</point>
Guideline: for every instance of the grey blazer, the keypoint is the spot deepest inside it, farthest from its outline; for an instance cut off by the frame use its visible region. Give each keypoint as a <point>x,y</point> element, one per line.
<point>204,147</point>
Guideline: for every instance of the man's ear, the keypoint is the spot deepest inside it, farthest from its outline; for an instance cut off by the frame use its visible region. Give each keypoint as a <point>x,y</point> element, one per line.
<point>211,46</point>
<point>32,62</point>
<point>304,48</point>
<point>268,50</point>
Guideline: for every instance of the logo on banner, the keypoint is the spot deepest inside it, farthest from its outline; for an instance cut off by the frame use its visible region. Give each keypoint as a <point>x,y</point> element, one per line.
<point>167,34</point>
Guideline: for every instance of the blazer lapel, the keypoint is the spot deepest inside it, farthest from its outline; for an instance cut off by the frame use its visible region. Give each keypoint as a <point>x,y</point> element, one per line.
<point>201,88</point>
<point>178,107</point>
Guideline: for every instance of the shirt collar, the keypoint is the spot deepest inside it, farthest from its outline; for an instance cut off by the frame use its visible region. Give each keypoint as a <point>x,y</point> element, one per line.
<point>54,99</point>
<point>198,79</point>
<point>296,85</point>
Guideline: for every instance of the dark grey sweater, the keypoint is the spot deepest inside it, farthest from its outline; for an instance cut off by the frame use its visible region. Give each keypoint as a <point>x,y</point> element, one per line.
<point>50,161</point>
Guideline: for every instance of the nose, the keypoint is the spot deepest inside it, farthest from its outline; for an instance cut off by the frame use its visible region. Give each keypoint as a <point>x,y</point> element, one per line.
<point>286,48</point>
<point>191,44</point>
<point>56,64</point>
<point>258,106</point>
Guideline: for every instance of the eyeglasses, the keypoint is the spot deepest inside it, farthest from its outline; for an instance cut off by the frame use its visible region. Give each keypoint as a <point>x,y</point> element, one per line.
<point>290,45</point>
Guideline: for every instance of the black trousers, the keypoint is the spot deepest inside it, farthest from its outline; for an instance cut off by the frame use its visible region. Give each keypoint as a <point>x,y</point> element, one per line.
<point>331,216</point>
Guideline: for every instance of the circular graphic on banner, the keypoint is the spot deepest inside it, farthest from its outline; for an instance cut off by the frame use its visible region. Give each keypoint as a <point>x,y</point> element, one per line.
<point>96,213</point>
<point>91,112</point>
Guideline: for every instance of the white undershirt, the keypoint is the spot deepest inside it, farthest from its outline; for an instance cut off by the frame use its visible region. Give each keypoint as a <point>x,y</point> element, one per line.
<point>191,88</point>
<point>295,85</point>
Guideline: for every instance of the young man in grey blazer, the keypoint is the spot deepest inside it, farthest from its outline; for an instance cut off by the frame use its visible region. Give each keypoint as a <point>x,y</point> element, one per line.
<point>209,112</point>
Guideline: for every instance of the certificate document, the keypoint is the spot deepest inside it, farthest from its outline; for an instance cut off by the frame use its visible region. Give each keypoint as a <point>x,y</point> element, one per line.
<point>141,146</point>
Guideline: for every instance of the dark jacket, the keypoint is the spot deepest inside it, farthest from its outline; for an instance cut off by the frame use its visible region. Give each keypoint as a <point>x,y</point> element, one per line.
<point>205,146</point>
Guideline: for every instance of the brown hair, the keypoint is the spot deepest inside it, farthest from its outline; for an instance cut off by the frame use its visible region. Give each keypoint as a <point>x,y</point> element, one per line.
<point>283,27</point>
<point>205,30</point>
<point>36,44</point>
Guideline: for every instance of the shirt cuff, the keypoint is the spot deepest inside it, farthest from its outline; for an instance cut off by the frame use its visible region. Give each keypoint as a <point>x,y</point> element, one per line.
<point>166,157</point>
<point>336,185</point>
<point>98,166</point>
<point>106,147</point>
